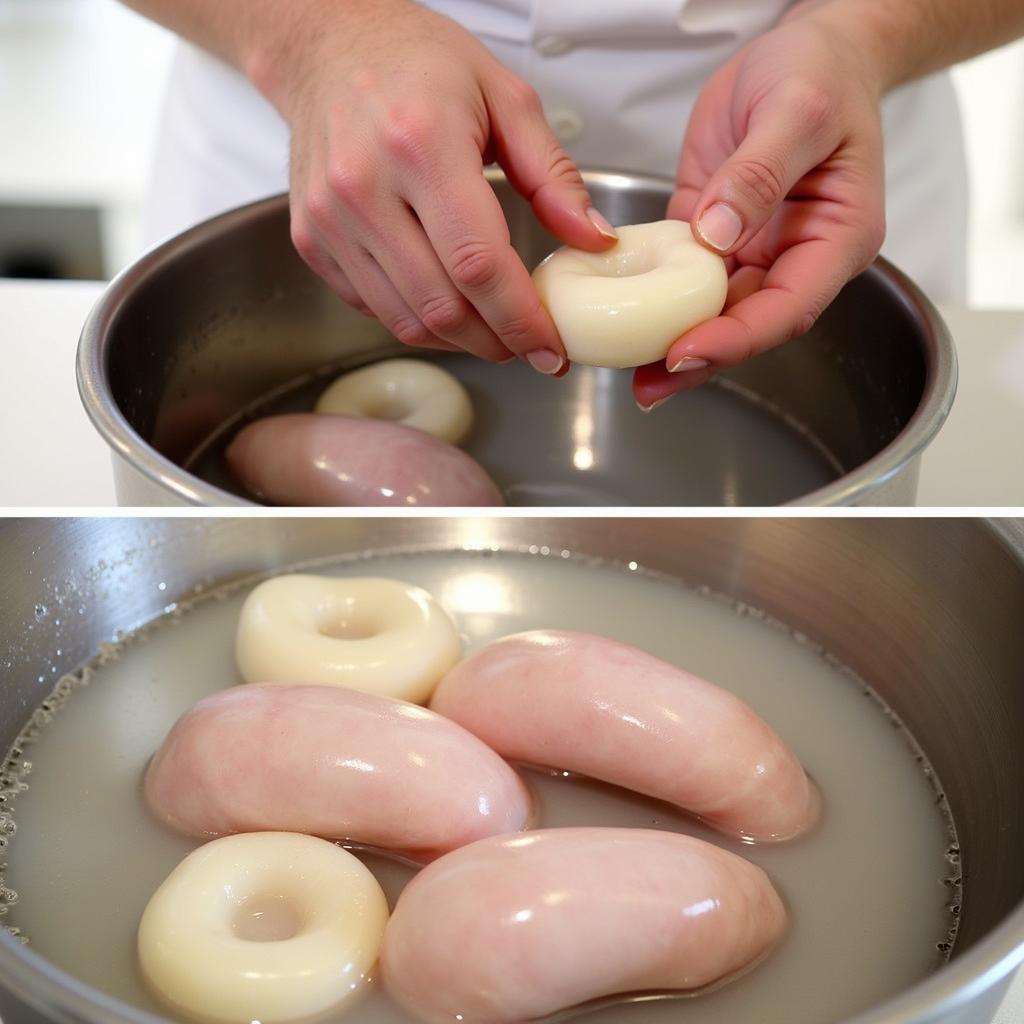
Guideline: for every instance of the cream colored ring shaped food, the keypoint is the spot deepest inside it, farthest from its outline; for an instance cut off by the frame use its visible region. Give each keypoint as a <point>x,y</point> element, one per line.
<point>626,306</point>
<point>376,635</point>
<point>412,392</point>
<point>267,926</point>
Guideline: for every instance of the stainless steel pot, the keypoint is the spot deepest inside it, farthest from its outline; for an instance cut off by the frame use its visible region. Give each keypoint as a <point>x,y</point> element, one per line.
<point>928,611</point>
<point>203,330</point>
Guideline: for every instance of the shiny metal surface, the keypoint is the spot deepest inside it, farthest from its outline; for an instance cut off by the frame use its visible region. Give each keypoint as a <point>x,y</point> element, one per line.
<point>218,318</point>
<point>928,611</point>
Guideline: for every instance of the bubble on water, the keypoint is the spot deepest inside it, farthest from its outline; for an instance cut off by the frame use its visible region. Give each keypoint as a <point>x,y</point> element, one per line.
<point>106,652</point>
<point>40,612</point>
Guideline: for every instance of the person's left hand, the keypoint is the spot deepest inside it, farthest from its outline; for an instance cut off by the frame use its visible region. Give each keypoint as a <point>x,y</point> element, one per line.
<point>781,172</point>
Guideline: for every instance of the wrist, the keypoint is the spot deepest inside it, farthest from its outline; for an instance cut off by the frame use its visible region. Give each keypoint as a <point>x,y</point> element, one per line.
<point>272,52</point>
<point>277,58</point>
<point>873,33</point>
<point>911,38</point>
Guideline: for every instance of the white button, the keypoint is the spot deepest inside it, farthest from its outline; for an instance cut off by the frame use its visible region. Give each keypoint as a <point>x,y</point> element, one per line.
<point>566,124</point>
<point>553,46</point>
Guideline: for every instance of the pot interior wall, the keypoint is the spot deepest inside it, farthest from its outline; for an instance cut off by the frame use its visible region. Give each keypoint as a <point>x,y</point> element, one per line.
<point>926,611</point>
<point>229,313</point>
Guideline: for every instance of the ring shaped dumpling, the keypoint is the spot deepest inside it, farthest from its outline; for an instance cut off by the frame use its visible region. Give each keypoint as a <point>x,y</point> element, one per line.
<point>381,636</point>
<point>626,306</point>
<point>412,392</point>
<point>265,926</point>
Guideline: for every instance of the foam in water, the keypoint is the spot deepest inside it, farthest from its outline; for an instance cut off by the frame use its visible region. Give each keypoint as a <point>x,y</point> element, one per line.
<point>869,892</point>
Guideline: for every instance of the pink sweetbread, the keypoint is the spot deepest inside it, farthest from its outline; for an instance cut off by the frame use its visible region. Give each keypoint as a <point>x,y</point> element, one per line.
<point>591,705</point>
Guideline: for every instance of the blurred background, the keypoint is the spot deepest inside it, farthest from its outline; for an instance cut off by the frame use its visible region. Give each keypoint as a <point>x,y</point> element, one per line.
<point>81,84</point>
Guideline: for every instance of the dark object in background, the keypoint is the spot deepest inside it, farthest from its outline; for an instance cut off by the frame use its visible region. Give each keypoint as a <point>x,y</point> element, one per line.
<point>51,242</point>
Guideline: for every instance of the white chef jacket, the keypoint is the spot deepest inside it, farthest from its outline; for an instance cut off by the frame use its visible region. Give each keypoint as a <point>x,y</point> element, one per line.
<point>618,79</point>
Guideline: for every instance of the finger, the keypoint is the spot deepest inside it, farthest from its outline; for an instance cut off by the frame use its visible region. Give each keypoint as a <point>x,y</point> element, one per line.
<point>540,170</point>
<point>405,255</point>
<point>682,203</point>
<point>787,136</point>
<point>467,229</point>
<point>843,196</point>
<point>793,294</point>
<point>339,283</point>
<point>440,345</point>
<point>653,384</point>
<point>688,369</point>
<point>389,307</point>
<point>310,246</point>
<point>743,283</point>
<point>325,243</point>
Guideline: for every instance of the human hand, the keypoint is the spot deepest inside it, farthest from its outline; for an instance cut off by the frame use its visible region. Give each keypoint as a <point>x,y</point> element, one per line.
<point>393,116</point>
<point>781,172</point>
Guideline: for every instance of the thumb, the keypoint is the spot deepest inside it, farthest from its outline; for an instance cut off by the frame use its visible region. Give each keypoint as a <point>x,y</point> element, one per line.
<point>751,185</point>
<point>541,171</point>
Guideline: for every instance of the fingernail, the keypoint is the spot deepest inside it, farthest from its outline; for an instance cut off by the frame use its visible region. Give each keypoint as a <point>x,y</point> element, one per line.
<point>598,220</point>
<point>544,360</point>
<point>719,226</point>
<point>653,405</point>
<point>688,363</point>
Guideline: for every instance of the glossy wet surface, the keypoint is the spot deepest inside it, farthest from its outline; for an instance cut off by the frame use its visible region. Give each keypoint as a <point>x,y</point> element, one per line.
<point>866,891</point>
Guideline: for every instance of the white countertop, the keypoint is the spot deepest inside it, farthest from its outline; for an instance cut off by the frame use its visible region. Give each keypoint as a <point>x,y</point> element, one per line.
<point>82,82</point>
<point>1012,1009</point>
<point>51,455</point>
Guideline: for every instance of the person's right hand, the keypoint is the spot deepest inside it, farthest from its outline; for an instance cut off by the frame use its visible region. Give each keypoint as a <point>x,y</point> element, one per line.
<point>394,111</point>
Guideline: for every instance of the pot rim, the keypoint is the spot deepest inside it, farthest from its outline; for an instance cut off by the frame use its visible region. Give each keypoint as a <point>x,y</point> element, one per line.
<point>855,487</point>
<point>60,995</point>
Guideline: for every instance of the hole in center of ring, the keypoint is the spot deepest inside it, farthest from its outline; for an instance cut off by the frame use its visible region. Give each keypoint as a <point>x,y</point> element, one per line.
<point>347,627</point>
<point>633,263</point>
<point>389,408</point>
<point>266,917</point>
